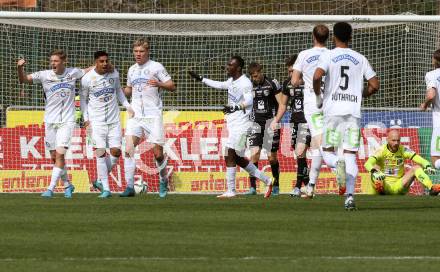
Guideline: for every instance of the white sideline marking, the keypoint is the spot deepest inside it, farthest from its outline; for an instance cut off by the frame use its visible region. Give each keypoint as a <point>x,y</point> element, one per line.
<point>144,258</point>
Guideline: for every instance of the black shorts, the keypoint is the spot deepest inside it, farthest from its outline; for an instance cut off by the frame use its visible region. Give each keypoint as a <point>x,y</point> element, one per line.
<point>263,136</point>
<point>300,134</point>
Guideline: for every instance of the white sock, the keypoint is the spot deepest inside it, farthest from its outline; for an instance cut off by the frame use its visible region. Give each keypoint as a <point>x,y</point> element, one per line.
<point>315,166</point>
<point>437,164</point>
<point>101,166</point>
<point>163,171</point>
<point>56,174</point>
<point>253,171</point>
<point>110,161</point>
<point>230,178</point>
<point>130,166</point>
<point>330,158</point>
<point>65,178</point>
<point>351,170</point>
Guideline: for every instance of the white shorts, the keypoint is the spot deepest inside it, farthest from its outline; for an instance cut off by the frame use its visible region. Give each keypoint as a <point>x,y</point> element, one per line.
<point>342,131</point>
<point>58,134</point>
<point>106,135</point>
<point>150,127</point>
<point>237,136</point>
<point>315,122</point>
<point>435,142</point>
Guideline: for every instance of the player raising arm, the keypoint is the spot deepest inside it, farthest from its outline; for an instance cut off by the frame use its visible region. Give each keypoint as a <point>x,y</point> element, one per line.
<point>59,114</point>
<point>100,92</point>
<point>345,70</point>
<point>433,98</point>
<point>237,112</point>
<point>145,81</point>
<point>387,168</point>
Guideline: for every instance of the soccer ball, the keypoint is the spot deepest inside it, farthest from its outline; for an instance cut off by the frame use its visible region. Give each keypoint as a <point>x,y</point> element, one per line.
<point>140,187</point>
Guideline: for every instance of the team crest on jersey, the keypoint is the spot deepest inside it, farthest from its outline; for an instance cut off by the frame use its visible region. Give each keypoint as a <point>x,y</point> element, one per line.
<point>68,77</point>
<point>146,72</point>
<point>292,92</point>
<point>266,92</point>
<point>111,80</point>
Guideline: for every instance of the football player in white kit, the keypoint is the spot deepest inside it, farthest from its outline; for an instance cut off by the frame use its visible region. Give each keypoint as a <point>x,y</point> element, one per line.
<point>240,100</point>
<point>100,92</point>
<point>344,70</point>
<point>303,70</point>
<point>59,115</point>
<point>432,97</point>
<point>145,81</point>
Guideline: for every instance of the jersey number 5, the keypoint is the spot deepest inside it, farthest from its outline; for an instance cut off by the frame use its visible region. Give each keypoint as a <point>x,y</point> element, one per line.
<point>345,77</point>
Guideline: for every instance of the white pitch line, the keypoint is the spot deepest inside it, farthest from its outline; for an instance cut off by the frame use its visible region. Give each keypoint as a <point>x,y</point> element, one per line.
<point>246,258</point>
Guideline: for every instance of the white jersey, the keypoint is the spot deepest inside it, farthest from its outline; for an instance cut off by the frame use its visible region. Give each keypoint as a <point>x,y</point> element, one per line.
<point>146,100</point>
<point>306,64</point>
<point>432,80</point>
<point>59,93</point>
<point>237,91</point>
<point>101,95</point>
<point>344,81</point>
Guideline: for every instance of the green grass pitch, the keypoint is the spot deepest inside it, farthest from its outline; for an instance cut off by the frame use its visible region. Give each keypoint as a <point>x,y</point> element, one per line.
<point>202,233</point>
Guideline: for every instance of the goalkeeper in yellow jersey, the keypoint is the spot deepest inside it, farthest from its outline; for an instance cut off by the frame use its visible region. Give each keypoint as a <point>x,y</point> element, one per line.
<point>387,168</point>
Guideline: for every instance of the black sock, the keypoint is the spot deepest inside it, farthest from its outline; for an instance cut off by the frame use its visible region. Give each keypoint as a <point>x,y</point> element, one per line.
<point>302,175</point>
<point>276,173</point>
<point>253,180</point>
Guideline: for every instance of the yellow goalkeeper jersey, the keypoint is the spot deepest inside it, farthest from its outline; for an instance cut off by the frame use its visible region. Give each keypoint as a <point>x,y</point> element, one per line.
<point>391,164</point>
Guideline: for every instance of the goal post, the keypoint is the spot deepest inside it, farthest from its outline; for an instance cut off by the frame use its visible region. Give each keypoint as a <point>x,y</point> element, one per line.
<point>399,47</point>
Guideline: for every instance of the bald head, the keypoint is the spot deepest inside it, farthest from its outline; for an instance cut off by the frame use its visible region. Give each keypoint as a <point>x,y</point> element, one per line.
<point>393,140</point>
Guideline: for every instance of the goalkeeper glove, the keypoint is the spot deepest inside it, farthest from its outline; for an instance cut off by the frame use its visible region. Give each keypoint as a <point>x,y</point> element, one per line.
<point>377,175</point>
<point>429,170</point>
<point>195,76</point>
<point>230,109</point>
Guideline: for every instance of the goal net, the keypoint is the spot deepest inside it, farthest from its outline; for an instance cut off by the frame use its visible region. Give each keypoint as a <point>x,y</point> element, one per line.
<point>399,51</point>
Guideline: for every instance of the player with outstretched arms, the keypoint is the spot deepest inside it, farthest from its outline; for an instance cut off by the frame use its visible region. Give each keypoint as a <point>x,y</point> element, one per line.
<point>59,114</point>
<point>344,70</point>
<point>240,100</point>
<point>145,81</point>
<point>300,132</point>
<point>387,168</point>
<point>266,92</point>
<point>100,92</point>
<point>432,97</point>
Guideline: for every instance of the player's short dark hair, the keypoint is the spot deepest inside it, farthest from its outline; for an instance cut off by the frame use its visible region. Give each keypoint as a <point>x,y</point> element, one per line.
<point>321,32</point>
<point>254,67</point>
<point>342,31</point>
<point>99,54</point>
<point>58,52</point>
<point>240,61</point>
<point>436,57</point>
<point>289,61</point>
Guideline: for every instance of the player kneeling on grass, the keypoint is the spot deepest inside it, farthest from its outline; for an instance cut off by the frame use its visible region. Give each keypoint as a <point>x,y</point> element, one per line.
<point>387,168</point>
<point>240,100</point>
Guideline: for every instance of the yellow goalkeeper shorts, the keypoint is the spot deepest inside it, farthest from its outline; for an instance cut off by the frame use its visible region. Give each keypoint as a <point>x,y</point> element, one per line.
<point>394,186</point>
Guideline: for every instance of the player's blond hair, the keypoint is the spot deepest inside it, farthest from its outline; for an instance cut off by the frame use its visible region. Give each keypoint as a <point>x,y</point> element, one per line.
<point>142,42</point>
<point>58,52</point>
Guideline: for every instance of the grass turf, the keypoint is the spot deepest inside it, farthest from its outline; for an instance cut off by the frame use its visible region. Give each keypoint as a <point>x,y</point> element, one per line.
<point>202,233</point>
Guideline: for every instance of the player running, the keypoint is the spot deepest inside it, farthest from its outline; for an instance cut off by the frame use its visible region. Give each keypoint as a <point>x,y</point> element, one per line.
<point>344,70</point>
<point>237,113</point>
<point>100,92</point>
<point>59,113</point>
<point>266,92</point>
<point>387,168</point>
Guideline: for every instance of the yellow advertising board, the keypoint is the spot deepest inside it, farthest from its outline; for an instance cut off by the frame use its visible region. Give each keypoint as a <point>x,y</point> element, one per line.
<point>215,182</point>
<point>38,180</point>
